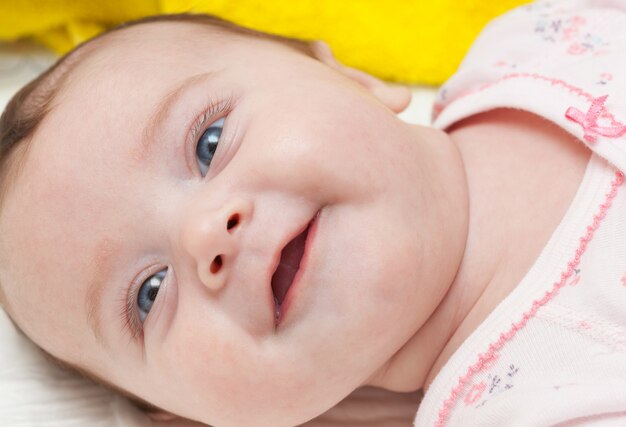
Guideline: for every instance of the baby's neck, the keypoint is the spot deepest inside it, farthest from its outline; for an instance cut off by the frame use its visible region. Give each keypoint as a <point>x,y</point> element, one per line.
<point>511,159</point>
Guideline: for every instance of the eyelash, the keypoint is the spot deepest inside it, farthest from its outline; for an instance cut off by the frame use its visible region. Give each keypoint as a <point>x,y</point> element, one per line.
<point>215,111</point>
<point>129,315</point>
<point>128,303</point>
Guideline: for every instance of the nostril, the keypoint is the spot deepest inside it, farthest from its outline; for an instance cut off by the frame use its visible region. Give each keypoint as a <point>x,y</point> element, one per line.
<point>216,265</point>
<point>233,221</point>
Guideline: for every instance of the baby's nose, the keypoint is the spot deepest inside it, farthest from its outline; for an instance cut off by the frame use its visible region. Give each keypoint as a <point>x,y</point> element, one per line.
<point>212,239</point>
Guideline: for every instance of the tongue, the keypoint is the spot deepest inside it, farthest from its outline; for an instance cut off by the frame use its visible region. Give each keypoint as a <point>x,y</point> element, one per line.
<point>289,263</point>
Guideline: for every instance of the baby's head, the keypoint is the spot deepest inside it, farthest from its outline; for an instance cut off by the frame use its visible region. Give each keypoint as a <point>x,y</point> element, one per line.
<point>159,188</point>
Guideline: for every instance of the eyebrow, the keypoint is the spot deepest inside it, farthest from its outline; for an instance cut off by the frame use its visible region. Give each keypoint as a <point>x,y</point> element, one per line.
<point>162,111</point>
<point>105,249</point>
<point>101,265</point>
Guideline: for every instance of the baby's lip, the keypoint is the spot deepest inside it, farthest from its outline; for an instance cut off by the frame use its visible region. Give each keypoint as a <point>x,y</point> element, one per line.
<point>290,258</point>
<point>295,244</point>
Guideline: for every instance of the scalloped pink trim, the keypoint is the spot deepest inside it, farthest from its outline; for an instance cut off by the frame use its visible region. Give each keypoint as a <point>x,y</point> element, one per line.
<point>439,106</point>
<point>495,347</point>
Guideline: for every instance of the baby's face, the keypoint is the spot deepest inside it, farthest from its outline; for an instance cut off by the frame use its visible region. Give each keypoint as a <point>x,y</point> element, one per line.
<point>145,228</point>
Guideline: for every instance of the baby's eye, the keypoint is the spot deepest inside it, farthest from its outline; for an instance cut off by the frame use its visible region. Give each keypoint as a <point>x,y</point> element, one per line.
<point>148,293</point>
<point>207,144</point>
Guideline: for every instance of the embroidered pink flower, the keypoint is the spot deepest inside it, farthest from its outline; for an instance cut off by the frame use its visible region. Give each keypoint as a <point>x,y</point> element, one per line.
<point>606,76</point>
<point>475,393</point>
<point>583,324</point>
<point>576,49</point>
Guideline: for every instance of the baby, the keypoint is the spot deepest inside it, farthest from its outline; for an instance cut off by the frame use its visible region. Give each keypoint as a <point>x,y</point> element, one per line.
<point>239,230</point>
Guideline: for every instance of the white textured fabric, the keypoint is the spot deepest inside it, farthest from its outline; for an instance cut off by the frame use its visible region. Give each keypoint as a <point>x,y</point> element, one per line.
<point>34,392</point>
<point>554,351</point>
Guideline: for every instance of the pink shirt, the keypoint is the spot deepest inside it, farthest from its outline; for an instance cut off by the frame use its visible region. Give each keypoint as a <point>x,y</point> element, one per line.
<point>554,351</point>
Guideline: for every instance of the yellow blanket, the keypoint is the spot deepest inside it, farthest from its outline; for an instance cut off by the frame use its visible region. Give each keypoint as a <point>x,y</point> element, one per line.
<point>412,41</point>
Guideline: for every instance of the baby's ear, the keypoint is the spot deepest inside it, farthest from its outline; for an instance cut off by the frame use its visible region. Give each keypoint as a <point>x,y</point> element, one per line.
<point>395,97</point>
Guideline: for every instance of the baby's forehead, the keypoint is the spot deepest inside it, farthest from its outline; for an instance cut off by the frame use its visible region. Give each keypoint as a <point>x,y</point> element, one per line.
<point>146,51</point>
<point>167,37</point>
<point>137,44</point>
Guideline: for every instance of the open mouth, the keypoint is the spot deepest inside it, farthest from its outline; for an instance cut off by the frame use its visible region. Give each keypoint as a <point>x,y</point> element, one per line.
<point>287,268</point>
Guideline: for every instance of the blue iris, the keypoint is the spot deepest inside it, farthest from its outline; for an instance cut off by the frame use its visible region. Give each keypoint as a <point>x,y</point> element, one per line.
<point>207,144</point>
<point>148,293</point>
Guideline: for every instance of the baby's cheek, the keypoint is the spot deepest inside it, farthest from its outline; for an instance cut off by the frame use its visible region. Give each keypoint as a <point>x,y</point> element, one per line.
<point>209,361</point>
